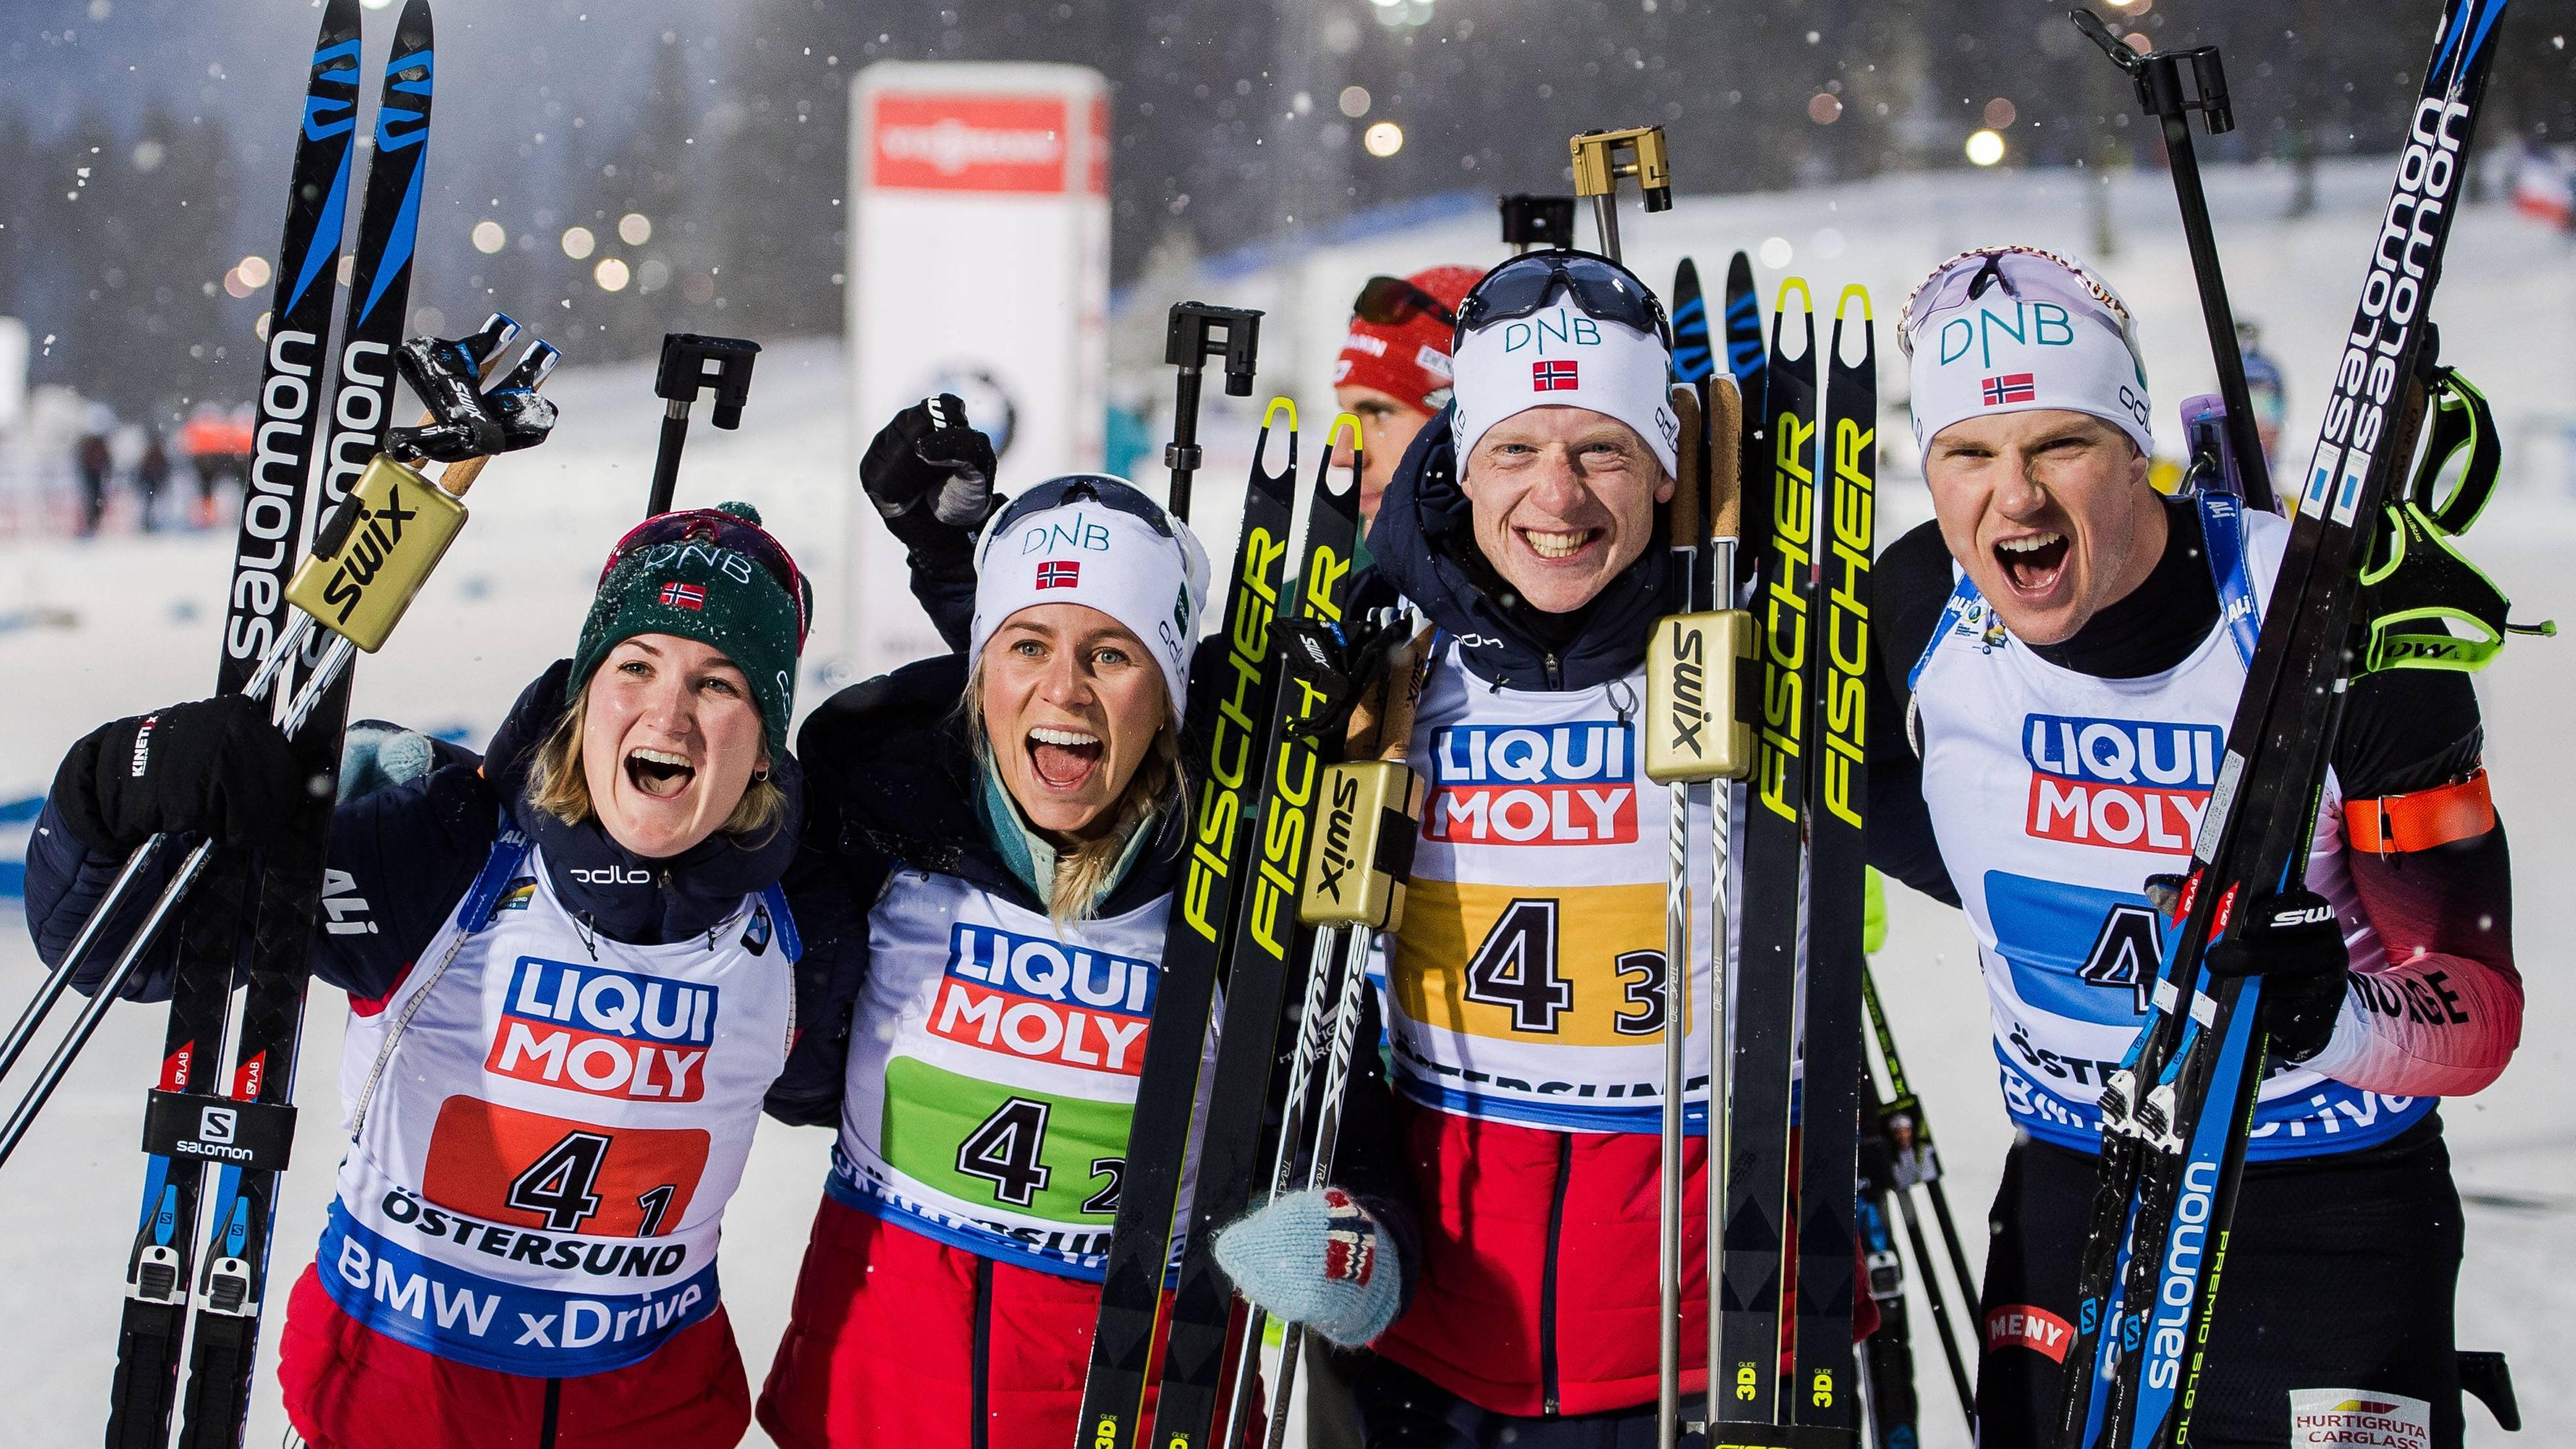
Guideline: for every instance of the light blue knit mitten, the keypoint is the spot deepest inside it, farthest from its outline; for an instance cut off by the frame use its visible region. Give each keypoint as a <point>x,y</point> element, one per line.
<point>1316,1258</point>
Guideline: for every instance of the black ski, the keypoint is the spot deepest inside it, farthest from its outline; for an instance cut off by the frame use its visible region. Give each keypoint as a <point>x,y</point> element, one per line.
<point>1222,726</point>
<point>1264,949</point>
<point>1837,877</point>
<point>1744,358</point>
<point>1757,1112</point>
<point>159,1268</point>
<point>1887,1355</point>
<point>235,1274</point>
<point>1693,357</point>
<point>2174,1123</point>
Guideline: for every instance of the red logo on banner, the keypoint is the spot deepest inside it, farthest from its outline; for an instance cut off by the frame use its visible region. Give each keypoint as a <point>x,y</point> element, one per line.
<point>1552,376</point>
<point>1061,573</point>
<point>970,142</point>
<point>2012,387</point>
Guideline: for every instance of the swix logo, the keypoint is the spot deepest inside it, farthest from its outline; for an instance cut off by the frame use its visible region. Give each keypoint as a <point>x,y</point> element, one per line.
<point>2123,783</point>
<point>608,1033</point>
<point>2316,915</point>
<point>2180,1282</point>
<point>611,875</point>
<point>1042,999</point>
<point>1566,784</point>
<point>365,551</point>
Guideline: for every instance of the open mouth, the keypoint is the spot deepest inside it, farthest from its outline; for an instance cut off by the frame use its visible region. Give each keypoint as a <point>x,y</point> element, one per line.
<point>659,773</point>
<point>1556,545</point>
<point>2033,562</point>
<point>1064,758</point>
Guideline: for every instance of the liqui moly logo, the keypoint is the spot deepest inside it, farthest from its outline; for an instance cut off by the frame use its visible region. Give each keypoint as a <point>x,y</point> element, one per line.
<point>1045,1000</point>
<point>1565,784</point>
<point>608,1033</point>
<point>2123,783</point>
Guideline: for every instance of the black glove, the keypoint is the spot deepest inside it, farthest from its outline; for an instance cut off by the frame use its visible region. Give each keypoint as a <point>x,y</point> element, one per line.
<point>931,475</point>
<point>2295,944</point>
<point>212,766</point>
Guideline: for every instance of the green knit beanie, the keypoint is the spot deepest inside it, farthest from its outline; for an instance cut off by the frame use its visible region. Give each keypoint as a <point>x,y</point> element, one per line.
<point>699,589</point>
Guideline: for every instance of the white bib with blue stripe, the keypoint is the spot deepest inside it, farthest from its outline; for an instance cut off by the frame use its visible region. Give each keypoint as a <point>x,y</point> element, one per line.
<point>547,1125</point>
<point>2054,796</point>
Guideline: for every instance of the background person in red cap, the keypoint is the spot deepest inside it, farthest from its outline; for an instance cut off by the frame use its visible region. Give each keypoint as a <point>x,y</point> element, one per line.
<point>1393,371</point>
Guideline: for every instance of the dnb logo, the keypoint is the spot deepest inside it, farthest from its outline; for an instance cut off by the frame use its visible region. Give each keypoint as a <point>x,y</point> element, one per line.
<point>2122,783</point>
<point>1044,1000</point>
<point>1566,784</point>
<point>604,1032</point>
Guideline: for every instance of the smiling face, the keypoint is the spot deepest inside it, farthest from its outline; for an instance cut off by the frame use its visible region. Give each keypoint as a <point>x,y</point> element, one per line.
<point>670,737</point>
<point>1072,702</point>
<point>1388,425</point>
<point>2050,513</point>
<point>1564,498</point>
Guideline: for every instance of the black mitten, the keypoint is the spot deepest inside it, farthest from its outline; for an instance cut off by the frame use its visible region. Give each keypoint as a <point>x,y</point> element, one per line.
<point>930,474</point>
<point>212,767</point>
<point>2295,944</point>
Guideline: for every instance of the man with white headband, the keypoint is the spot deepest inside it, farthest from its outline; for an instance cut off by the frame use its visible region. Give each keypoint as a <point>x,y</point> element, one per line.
<point>2060,653</point>
<point>1521,987</point>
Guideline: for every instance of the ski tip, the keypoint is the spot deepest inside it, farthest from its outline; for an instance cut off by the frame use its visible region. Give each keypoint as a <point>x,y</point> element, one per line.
<point>1842,304</point>
<point>1739,271</point>
<point>1806,298</point>
<point>1277,406</point>
<point>1332,439</point>
<point>1261,444</point>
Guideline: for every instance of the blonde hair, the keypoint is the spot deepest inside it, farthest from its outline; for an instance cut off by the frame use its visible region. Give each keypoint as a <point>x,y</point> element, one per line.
<point>558,786</point>
<point>1083,873</point>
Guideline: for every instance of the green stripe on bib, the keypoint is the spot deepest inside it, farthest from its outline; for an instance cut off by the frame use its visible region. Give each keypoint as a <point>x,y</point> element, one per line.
<point>1053,1157</point>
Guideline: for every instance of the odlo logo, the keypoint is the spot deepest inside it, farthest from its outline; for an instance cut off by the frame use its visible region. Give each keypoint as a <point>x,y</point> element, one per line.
<point>2124,783</point>
<point>1566,784</point>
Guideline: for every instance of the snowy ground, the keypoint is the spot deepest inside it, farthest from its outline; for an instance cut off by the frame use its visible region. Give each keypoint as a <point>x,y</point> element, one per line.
<point>117,626</point>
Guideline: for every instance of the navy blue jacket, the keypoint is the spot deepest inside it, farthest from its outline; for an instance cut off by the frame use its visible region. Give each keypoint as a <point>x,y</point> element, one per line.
<point>402,857</point>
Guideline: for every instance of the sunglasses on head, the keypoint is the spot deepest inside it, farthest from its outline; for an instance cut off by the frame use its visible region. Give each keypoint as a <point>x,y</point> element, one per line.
<point>1598,285</point>
<point>723,530</point>
<point>1393,301</point>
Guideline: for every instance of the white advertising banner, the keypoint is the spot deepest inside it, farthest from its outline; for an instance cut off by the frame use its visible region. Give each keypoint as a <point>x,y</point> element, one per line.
<point>13,372</point>
<point>978,265</point>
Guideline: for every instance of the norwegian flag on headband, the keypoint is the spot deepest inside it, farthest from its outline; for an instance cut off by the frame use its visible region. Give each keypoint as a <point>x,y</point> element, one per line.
<point>1553,376</point>
<point>2011,387</point>
<point>1060,573</point>
<point>676,595</point>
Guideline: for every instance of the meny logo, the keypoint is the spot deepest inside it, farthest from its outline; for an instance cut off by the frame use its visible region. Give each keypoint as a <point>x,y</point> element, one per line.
<point>1033,997</point>
<point>2124,783</point>
<point>608,1033</point>
<point>1566,784</point>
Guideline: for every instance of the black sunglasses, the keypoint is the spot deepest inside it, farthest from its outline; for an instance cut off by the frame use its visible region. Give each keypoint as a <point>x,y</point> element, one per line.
<point>723,530</point>
<point>1393,301</point>
<point>1599,286</point>
<point>1115,494</point>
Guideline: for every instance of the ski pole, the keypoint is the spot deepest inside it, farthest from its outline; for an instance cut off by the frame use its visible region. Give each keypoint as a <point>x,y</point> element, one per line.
<point>1194,333</point>
<point>2158,75</point>
<point>1918,1165</point>
<point>1353,889</point>
<point>61,976</point>
<point>95,1009</point>
<point>691,363</point>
